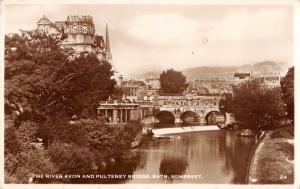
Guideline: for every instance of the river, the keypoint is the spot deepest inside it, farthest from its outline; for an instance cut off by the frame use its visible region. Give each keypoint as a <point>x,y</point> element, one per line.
<point>208,157</point>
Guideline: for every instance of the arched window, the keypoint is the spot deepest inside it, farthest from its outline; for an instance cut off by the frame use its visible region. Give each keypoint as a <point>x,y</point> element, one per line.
<point>75,28</point>
<point>84,28</point>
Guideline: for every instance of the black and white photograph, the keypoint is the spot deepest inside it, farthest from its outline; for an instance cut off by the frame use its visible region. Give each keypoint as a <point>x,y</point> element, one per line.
<point>141,93</point>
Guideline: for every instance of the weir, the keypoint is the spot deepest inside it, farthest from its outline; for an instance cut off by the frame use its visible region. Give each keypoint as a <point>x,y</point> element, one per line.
<point>165,131</point>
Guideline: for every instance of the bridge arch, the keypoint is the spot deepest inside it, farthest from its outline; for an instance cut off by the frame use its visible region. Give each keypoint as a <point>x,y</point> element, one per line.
<point>215,118</point>
<point>189,117</point>
<point>165,117</point>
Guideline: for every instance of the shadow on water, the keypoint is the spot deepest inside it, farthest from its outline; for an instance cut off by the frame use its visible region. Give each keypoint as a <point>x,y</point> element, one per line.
<point>172,166</point>
<point>236,151</point>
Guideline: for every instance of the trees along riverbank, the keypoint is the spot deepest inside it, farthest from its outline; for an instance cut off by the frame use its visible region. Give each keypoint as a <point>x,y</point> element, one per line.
<point>270,110</point>
<point>45,86</point>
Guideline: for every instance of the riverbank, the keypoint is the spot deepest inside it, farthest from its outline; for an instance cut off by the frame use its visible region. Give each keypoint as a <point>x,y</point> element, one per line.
<point>173,130</point>
<point>273,159</point>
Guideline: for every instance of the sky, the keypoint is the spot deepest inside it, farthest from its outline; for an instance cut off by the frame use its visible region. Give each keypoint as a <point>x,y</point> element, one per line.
<point>147,38</point>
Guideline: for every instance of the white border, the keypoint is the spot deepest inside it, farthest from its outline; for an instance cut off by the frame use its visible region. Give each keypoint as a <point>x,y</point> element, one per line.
<point>294,3</point>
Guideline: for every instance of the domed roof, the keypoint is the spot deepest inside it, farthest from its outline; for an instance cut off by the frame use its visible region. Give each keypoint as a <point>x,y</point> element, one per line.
<point>44,21</point>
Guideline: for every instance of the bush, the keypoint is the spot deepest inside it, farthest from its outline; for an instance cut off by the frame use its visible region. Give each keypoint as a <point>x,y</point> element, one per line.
<point>71,158</point>
<point>27,163</point>
<point>22,158</point>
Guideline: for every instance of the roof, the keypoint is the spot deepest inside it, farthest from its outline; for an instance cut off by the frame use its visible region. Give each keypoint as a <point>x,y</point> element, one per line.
<point>60,24</point>
<point>133,82</point>
<point>242,75</point>
<point>99,41</point>
<point>271,78</point>
<point>44,21</point>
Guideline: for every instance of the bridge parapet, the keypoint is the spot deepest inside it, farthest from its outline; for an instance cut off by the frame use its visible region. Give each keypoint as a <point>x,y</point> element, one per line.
<point>179,105</point>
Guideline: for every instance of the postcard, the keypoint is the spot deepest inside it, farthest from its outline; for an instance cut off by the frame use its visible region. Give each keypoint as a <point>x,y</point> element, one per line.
<point>115,94</point>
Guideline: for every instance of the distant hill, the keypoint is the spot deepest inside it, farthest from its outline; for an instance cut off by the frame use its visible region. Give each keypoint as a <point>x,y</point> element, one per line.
<point>151,74</point>
<point>258,69</point>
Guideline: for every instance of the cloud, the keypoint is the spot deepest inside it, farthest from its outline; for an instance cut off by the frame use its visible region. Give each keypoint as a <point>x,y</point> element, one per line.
<point>155,37</point>
<point>164,28</point>
<point>253,25</point>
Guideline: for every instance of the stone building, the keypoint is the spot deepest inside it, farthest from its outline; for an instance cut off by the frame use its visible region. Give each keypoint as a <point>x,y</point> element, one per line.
<point>240,78</point>
<point>123,111</point>
<point>79,35</point>
<point>134,90</point>
<point>270,82</point>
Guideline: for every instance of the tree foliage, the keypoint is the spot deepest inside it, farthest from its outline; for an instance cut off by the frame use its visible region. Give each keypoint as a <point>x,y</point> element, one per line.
<point>255,107</point>
<point>97,144</point>
<point>287,86</point>
<point>172,81</point>
<point>45,80</point>
<point>22,157</point>
<point>45,86</point>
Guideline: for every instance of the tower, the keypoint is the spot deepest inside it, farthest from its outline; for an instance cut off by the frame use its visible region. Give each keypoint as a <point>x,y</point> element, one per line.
<point>80,31</point>
<point>107,46</point>
<point>108,55</point>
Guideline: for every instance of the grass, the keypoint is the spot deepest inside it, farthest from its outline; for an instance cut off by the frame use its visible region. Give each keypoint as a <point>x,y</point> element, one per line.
<point>271,165</point>
<point>287,133</point>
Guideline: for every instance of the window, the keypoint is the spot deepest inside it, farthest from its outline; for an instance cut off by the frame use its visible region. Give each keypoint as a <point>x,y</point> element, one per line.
<point>75,28</point>
<point>84,28</point>
<point>74,37</point>
<point>85,38</point>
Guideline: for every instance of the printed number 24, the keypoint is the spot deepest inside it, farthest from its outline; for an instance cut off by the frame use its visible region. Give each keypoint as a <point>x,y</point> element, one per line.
<point>282,177</point>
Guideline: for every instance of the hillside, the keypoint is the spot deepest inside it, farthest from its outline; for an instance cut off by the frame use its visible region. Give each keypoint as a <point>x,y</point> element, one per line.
<point>258,69</point>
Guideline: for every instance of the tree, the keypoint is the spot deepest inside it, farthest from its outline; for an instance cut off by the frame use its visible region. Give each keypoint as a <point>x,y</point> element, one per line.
<point>255,107</point>
<point>31,63</point>
<point>22,157</point>
<point>42,78</point>
<point>90,79</point>
<point>287,86</point>
<point>97,144</point>
<point>45,86</point>
<point>172,81</point>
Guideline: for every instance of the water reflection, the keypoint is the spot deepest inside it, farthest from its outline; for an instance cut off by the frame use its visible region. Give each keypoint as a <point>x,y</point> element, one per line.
<point>218,156</point>
<point>172,166</point>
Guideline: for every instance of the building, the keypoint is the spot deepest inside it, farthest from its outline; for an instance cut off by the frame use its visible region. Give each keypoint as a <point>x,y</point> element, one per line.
<point>134,90</point>
<point>123,111</point>
<point>239,78</point>
<point>78,35</point>
<point>152,83</point>
<point>209,86</point>
<point>270,82</point>
<point>44,24</point>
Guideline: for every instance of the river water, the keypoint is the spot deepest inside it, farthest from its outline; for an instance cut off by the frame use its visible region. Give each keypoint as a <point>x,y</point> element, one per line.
<point>210,157</point>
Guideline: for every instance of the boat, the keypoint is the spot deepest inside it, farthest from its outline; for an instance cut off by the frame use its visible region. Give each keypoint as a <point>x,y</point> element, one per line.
<point>163,137</point>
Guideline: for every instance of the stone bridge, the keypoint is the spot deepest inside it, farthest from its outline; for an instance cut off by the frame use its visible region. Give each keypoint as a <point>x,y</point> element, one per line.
<point>203,110</point>
<point>189,108</point>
